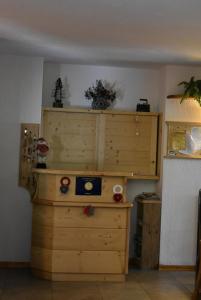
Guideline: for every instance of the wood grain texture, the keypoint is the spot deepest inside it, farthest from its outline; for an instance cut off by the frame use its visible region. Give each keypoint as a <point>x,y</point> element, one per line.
<point>72,138</point>
<point>93,111</point>
<point>173,268</point>
<point>103,218</point>
<point>131,143</point>
<point>148,233</point>
<point>79,277</point>
<point>103,141</point>
<point>79,238</point>
<point>67,261</point>
<point>82,204</point>
<point>66,241</point>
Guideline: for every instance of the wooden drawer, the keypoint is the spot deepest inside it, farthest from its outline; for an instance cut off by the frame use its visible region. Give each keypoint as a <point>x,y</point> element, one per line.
<point>61,238</point>
<point>110,262</point>
<point>103,217</point>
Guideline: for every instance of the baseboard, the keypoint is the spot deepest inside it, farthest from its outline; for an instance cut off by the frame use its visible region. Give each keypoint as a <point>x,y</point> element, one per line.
<point>14,264</point>
<point>176,268</point>
<point>26,264</point>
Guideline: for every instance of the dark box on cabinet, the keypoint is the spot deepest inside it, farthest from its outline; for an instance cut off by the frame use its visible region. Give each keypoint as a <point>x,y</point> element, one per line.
<point>144,106</point>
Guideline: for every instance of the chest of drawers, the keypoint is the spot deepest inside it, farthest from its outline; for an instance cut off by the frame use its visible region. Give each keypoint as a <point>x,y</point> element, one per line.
<point>68,244</point>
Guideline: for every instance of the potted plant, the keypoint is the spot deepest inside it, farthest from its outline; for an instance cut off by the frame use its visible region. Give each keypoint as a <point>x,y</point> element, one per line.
<point>192,90</point>
<point>101,94</point>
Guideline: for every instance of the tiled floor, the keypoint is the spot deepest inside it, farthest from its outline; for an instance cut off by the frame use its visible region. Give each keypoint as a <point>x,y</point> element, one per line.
<point>19,284</point>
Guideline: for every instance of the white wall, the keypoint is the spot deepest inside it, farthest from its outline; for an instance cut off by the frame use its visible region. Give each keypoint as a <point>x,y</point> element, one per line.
<point>132,83</point>
<point>20,100</point>
<point>181,179</point>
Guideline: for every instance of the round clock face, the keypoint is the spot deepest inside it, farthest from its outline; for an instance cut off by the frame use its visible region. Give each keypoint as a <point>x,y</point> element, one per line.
<point>88,186</point>
<point>117,189</point>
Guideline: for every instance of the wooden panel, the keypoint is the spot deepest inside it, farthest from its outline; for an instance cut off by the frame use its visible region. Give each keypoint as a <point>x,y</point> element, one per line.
<point>147,233</point>
<point>106,140</point>
<point>42,236</point>
<point>100,146</point>
<point>71,136</point>
<point>42,215</point>
<point>41,259</point>
<point>29,135</point>
<point>81,205</point>
<point>103,217</point>
<point>88,261</point>
<point>89,239</point>
<point>106,195</point>
<point>47,186</point>
<point>126,246</point>
<point>78,238</point>
<point>151,236</point>
<point>159,144</point>
<point>79,277</point>
<point>74,217</point>
<point>49,189</point>
<point>78,261</point>
<point>131,143</point>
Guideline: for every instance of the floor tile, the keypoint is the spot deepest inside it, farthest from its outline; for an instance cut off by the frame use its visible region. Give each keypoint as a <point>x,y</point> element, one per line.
<point>19,284</point>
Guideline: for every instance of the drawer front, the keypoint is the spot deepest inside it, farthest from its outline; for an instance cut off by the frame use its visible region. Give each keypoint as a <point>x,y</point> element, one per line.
<point>61,238</point>
<point>97,262</point>
<point>74,217</point>
<point>102,218</point>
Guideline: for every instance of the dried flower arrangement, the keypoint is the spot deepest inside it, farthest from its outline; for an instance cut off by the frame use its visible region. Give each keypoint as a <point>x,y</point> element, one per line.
<point>102,96</point>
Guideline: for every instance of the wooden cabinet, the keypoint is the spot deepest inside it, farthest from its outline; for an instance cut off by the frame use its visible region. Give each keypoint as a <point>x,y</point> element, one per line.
<point>67,244</point>
<point>147,237</point>
<point>131,143</point>
<point>103,140</point>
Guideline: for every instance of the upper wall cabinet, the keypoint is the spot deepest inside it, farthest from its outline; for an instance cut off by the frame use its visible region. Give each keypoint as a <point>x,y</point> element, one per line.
<point>130,143</point>
<point>102,140</point>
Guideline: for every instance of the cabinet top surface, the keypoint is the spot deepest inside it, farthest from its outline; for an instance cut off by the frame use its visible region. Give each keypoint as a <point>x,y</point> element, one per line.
<point>126,204</point>
<point>148,201</point>
<point>82,172</point>
<point>93,111</point>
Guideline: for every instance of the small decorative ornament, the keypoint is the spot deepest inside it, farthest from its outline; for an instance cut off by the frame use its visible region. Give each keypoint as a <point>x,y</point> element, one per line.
<point>58,94</point>
<point>117,197</point>
<point>42,151</point>
<point>65,182</point>
<point>117,189</point>
<point>88,186</point>
<point>88,210</point>
<point>143,105</point>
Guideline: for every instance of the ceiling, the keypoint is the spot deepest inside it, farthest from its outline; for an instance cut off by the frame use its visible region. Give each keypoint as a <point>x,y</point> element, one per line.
<point>112,32</point>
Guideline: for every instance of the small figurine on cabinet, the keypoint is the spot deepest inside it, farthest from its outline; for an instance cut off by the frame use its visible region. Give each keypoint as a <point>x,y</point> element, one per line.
<point>42,151</point>
<point>58,94</point>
